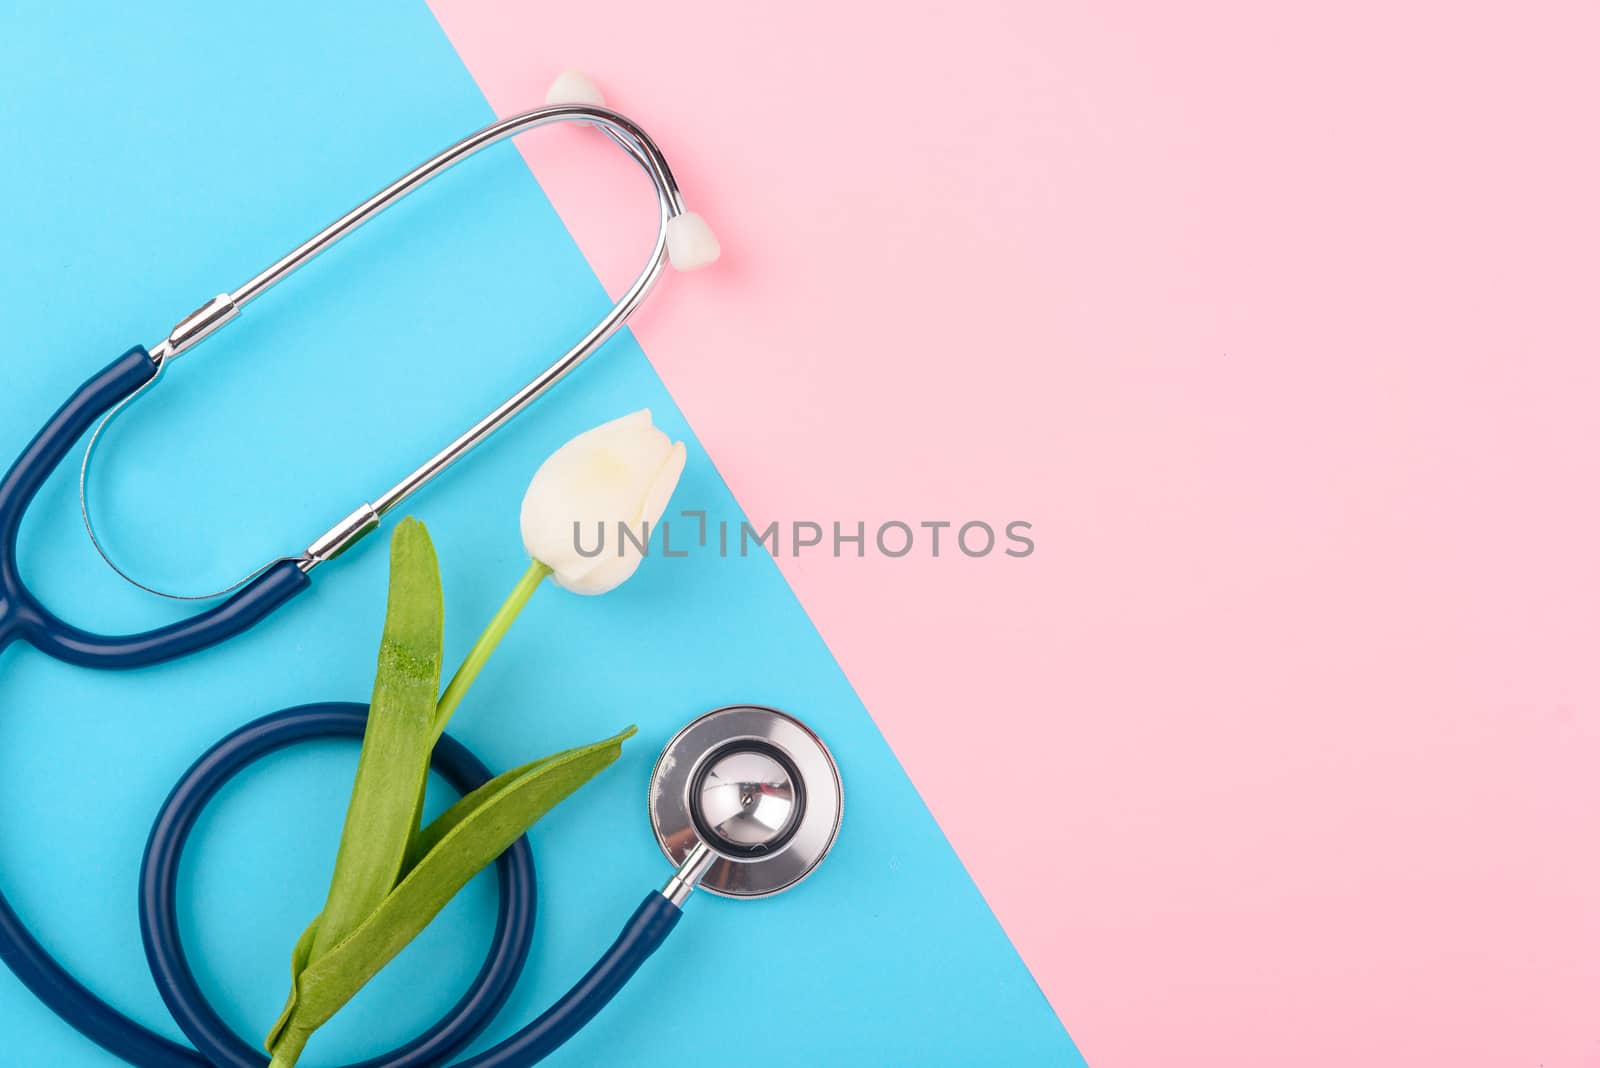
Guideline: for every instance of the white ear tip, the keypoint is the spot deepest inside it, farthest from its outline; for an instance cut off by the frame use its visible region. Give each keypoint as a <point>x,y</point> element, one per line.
<point>690,242</point>
<point>574,87</point>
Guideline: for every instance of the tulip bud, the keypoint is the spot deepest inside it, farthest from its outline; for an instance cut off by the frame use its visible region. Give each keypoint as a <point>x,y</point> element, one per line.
<point>618,475</point>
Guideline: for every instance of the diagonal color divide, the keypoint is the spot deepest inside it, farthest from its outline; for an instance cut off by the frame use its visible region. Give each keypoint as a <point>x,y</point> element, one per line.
<point>268,128</point>
<point>1277,321</point>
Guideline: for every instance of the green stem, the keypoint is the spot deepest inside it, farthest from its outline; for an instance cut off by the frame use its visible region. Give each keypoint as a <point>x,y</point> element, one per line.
<point>484,647</point>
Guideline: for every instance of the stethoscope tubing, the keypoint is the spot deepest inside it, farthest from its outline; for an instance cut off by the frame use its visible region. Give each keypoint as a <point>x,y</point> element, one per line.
<point>643,934</point>
<point>24,618</point>
<point>216,1042</point>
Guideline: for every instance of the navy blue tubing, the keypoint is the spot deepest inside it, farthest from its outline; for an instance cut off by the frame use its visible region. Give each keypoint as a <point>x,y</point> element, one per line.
<point>643,934</point>
<point>158,907</point>
<point>23,618</point>
<point>158,916</point>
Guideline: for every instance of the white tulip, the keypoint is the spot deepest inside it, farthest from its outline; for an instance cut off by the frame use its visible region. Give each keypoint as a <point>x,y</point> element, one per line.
<point>620,474</point>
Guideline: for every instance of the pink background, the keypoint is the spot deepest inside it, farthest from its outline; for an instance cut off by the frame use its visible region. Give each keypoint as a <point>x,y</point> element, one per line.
<point>1280,326</point>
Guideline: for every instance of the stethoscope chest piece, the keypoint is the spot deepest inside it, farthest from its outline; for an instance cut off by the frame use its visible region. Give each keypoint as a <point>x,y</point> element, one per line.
<point>758,788</point>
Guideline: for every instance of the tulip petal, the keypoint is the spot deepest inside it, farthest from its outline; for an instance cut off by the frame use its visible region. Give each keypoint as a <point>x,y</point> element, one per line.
<point>592,494</point>
<point>662,485</point>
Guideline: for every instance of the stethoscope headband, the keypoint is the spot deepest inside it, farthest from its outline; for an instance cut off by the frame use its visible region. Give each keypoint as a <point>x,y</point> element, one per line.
<point>683,239</point>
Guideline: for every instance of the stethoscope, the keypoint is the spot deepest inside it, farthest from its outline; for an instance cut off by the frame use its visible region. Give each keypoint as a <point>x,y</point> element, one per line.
<point>745,801</point>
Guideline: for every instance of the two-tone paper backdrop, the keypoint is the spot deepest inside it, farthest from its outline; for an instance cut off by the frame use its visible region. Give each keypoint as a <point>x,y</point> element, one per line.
<point>1277,326</point>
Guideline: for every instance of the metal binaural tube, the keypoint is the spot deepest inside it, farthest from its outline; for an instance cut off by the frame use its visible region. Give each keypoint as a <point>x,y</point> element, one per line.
<point>625,134</point>
<point>558,370</point>
<point>225,307</point>
<point>623,131</point>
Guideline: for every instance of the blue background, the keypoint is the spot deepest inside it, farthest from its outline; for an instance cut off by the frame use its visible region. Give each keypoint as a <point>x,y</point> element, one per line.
<point>157,154</point>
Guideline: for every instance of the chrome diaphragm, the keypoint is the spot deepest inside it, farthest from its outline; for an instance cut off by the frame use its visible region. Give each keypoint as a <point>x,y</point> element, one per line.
<point>755,787</point>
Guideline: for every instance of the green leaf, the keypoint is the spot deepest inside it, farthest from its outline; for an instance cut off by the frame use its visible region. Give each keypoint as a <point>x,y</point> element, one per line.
<point>393,769</point>
<point>297,964</point>
<point>464,840</point>
<point>428,837</point>
<point>395,750</point>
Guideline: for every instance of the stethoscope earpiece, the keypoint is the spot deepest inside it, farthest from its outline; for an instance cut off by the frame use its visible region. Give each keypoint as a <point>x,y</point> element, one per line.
<point>691,244</point>
<point>574,87</point>
<point>745,801</point>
